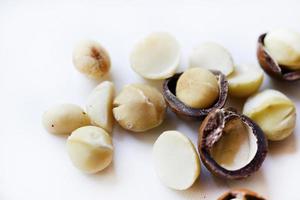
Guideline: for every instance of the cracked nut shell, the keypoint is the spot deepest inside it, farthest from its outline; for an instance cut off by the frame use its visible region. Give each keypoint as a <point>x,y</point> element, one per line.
<point>271,66</point>
<point>241,194</point>
<point>178,107</point>
<point>231,145</point>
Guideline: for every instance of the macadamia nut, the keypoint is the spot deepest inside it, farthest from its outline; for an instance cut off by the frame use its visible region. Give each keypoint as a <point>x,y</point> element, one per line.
<point>90,149</point>
<point>156,57</point>
<point>91,59</point>
<point>197,88</point>
<point>176,160</point>
<point>284,47</point>
<point>245,80</point>
<point>139,107</point>
<point>212,56</point>
<point>65,118</point>
<point>274,112</point>
<point>99,105</point>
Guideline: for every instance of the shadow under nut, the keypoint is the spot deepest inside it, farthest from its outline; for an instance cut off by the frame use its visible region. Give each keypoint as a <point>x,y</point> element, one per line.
<point>270,65</point>
<point>178,107</point>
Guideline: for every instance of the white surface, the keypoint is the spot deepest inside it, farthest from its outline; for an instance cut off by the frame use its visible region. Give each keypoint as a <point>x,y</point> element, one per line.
<point>36,43</point>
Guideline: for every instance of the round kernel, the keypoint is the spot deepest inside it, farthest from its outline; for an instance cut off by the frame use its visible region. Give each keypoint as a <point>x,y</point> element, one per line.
<point>139,107</point>
<point>284,47</point>
<point>197,88</point>
<point>274,112</point>
<point>90,149</point>
<point>91,59</point>
<point>245,80</point>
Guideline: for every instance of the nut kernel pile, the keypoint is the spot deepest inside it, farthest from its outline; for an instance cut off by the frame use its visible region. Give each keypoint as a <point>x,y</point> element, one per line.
<point>225,136</point>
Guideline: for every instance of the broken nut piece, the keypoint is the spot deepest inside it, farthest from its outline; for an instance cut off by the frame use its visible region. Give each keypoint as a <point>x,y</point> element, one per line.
<point>245,80</point>
<point>156,57</point>
<point>278,53</point>
<point>176,160</point>
<point>241,194</point>
<point>180,108</point>
<point>274,112</point>
<point>231,145</point>
<point>212,56</point>
<point>139,107</point>
<point>90,149</point>
<point>99,105</point>
<point>91,59</point>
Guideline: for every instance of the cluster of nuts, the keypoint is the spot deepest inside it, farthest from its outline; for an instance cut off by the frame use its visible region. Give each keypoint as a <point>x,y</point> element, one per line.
<point>231,145</point>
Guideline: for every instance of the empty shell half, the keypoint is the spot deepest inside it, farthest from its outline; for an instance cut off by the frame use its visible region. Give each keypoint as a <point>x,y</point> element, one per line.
<point>231,145</point>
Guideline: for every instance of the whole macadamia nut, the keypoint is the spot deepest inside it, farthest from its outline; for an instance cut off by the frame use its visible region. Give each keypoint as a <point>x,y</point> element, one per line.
<point>90,149</point>
<point>139,107</point>
<point>64,118</point>
<point>274,112</point>
<point>284,47</point>
<point>91,59</point>
<point>197,88</point>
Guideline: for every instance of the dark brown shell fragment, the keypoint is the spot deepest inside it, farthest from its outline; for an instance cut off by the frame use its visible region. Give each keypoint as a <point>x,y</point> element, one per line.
<point>211,131</point>
<point>178,107</point>
<point>270,65</point>
<point>241,194</point>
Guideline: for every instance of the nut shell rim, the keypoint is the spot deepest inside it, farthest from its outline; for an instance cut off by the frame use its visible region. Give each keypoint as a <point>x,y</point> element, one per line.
<point>247,194</point>
<point>271,66</point>
<point>178,107</point>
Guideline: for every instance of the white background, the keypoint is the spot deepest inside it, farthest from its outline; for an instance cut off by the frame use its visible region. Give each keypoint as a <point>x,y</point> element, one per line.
<point>36,42</point>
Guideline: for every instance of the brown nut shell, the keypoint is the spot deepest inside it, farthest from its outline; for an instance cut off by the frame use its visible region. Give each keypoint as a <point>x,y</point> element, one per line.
<point>271,66</point>
<point>243,194</point>
<point>178,107</point>
<point>213,129</point>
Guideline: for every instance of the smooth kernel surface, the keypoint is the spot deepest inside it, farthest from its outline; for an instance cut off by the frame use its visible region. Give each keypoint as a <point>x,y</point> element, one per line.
<point>176,160</point>
<point>156,56</point>
<point>64,118</point>
<point>212,56</point>
<point>197,88</point>
<point>284,46</point>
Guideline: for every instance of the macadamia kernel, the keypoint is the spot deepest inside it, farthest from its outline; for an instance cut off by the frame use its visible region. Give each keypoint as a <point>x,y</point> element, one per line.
<point>156,57</point>
<point>99,105</point>
<point>245,80</point>
<point>176,160</point>
<point>212,56</point>
<point>139,107</point>
<point>284,47</point>
<point>90,149</point>
<point>91,59</point>
<point>64,118</point>
<point>274,112</point>
<point>197,88</point>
